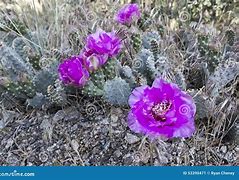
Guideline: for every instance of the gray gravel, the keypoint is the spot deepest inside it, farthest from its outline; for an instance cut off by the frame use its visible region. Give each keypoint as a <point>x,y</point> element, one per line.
<point>69,138</point>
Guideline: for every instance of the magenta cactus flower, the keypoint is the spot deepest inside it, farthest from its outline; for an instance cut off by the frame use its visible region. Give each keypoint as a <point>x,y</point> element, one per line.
<point>72,72</point>
<point>162,110</point>
<point>103,43</point>
<point>94,61</point>
<point>128,14</point>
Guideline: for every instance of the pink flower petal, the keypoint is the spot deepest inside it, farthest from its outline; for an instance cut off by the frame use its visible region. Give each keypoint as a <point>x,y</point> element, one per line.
<point>162,110</point>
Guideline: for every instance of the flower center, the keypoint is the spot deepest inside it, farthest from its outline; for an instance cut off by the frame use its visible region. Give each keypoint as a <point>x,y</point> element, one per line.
<point>160,109</point>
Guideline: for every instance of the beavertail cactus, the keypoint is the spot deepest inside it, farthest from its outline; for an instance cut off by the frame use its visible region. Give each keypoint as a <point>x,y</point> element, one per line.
<point>224,74</point>
<point>37,101</point>
<point>127,74</point>
<point>148,37</point>
<point>117,91</point>
<point>56,93</point>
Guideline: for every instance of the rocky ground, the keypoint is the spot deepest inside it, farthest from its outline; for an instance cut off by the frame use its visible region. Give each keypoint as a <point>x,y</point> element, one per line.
<point>89,136</point>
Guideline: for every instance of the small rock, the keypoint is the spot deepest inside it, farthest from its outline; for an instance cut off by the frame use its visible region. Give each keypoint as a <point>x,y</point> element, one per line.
<point>128,159</point>
<point>145,154</point>
<point>114,120</point>
<point>192,151</point>
<point>158,163</point>
<point>200,152</point>
<point>237,149</point>
<point>13,160</point>
<point>163,159</point>
<point>107,145</point>
<point>59,116</point>
<point>223,149</point>
<point>47,129</point>
<point>131,139</point>
<point>50,148</point>
<point>105,121</point>
<point>116,111</point>
<point>75,127</point>
<point>75,145</point>
<point>9,143</point>
<point>30,164</point>
<point>7,116</point>
<point>118,153</point>
<point>104,130</point>
<point>71,114</point>
<point>2,124</point>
